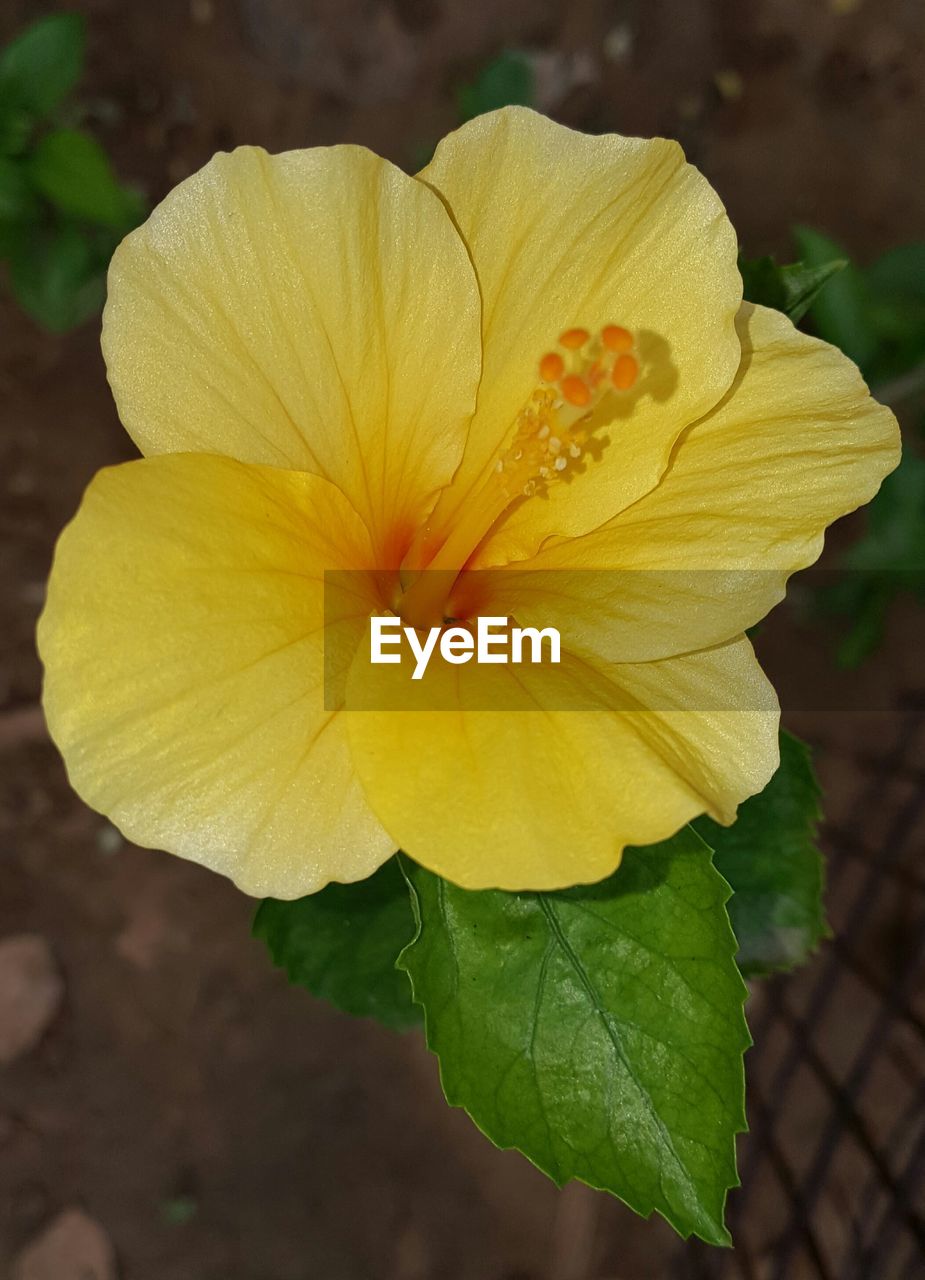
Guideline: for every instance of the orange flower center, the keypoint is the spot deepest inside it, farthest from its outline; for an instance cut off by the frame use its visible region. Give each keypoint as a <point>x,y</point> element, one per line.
<point>549,440</point>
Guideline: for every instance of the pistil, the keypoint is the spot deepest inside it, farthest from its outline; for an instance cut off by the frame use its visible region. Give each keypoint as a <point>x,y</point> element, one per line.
<point>549,439</point>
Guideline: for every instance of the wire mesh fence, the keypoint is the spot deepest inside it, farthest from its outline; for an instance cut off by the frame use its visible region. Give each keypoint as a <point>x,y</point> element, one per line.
<point>833,1169</point>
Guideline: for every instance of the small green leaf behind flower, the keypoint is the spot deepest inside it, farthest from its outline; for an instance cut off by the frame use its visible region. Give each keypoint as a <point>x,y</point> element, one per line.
<point>839,313</point>
<point>507,81</point>
<point>896,297</point>
<point>599,1030</point>
<point>770,858</point>
<point>343,943</point>
<point>791,289</point>
<point>875,314</point>
<point>886,564</point>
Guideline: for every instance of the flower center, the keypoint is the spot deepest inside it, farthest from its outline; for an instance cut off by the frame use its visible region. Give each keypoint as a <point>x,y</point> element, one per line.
<point>551,436</point>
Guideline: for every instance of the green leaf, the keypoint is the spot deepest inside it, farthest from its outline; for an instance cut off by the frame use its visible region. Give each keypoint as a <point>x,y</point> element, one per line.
<point>16,126</point>
<point>42,65</point>
<point>599,1030</point>
<point>770,858</point>
<point>18,202</point>
<point>895,539</point>
<point>72,170</point>
<point>57,277</point>
<point>506,81</point>
<point>342,944</point>
<point>11,234</point>
<point>841,312</point>
<point>791,289</point>
<point>896,288</point>
<point>868,624</point>
<point>887,562</point>
<point>899,273</point>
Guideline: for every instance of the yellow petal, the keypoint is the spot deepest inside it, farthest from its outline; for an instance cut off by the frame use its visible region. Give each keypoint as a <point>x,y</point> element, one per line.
<point>797,443</point>
<point>533,795</point>
<point>314,310</point>
<point>182,643</point>
<point>570,230</point>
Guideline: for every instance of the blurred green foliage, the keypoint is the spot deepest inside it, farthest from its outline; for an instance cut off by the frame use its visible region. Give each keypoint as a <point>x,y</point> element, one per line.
<point>506,81</point>
<point>876,315</point>
<point>887,563</point>
<point>42,66</point>
<point>179,1210</point>
<point>62,209</point>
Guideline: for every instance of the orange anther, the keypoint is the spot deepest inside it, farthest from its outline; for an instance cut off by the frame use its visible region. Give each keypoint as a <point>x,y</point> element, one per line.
<point>625,372</point>
<point>616,338</point>
<point>575,390</point>
<point>551,367</point>
<point>574,338</point>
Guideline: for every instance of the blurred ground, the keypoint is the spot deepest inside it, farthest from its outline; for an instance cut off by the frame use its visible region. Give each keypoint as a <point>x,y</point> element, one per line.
<point>219,1125</point>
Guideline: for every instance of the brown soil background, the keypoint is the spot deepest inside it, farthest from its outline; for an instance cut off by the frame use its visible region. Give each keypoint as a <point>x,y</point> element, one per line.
<point>182,1067</point>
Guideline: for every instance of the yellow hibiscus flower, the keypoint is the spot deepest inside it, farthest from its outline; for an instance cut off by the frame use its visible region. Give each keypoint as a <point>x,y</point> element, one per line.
<point>533,355</point>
